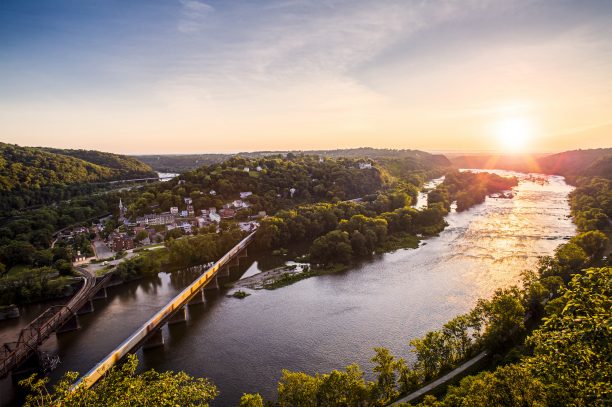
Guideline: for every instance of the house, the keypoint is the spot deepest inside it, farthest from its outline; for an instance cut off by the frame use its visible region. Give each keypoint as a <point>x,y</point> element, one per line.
<point>292,191</point>
<point>240,204</point>
<point>213,192</point>
<point>181,182</point>
<point>259,169</point>
<point>203,221</point>
<point>248,226</point>
<point>365,166</point>
<point>188,201</point>
<point>227,213</point>
<point>120,241</point>
<point>184,214</point>
<point>190,210</point>
<point>212,210</point>
<point>214,217</point>
<point>246,169</point>
<point>174,210</point>
<point>246,194</point>
<point>155,219</point>
<point>186,226</point>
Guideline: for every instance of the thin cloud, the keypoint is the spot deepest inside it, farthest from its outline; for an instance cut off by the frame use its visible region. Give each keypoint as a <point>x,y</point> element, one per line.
<point>194,15</point>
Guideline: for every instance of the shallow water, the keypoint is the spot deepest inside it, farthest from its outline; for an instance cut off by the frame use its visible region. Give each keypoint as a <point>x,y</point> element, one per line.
<point>330,321</point>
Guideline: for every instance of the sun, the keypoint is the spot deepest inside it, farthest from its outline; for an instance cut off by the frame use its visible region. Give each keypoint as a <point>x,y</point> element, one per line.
<point>514,134</point>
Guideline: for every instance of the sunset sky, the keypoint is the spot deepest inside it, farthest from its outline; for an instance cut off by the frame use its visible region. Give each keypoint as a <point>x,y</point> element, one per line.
<point>188,76</point>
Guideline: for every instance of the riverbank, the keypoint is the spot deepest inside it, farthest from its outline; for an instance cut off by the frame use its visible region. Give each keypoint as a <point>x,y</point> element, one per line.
<point>284,275</point>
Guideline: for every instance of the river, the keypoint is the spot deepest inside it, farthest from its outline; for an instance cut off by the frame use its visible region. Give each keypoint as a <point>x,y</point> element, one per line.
<point>330,321</point>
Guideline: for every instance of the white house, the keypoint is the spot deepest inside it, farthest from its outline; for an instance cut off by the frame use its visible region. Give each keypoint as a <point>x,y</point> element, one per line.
<point>259,169</point>
<point>245,194</point>
<point>184,214</point>
<point>247,169</point>
<point>214,217</point>
<point>188,201</point>
<point>364,166</point>
<point>174,210</point>
<point>213,192</point>
<point>248,226</point>
<point>240,204</point>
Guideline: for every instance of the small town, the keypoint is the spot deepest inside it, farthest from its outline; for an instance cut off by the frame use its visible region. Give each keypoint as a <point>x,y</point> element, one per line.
<point>154,228</point>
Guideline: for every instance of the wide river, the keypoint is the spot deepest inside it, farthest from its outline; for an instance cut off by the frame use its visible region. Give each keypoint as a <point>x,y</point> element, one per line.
<point>330,321</point>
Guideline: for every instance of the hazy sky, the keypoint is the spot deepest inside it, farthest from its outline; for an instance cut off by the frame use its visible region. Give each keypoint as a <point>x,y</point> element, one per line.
<point>144,76</point>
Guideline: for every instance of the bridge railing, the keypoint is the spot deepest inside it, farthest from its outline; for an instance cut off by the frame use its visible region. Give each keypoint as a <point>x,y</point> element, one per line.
<point>179,301</point>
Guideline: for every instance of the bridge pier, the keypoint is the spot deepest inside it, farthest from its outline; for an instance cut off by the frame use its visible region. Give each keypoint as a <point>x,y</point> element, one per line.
<point>224,272</point>
<point>235,262</point>
<point>101,294</point>
<point>243,253</point>
<point>86,308</point>
<point>198,299</point>
<point>179,316</point>
<point>72,324</point>
<point>213,285</point>
<point>155,340</point>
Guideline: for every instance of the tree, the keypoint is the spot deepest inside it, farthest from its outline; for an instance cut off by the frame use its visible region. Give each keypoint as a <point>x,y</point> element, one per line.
<point>407,378</point>
<point>572,348</point>
<point>346,388</point>
<point>503,315</point>
<point>571,258</point>
<point>593,243</point>
<point>64,267</point>
<point>334,247</point>
<point>297,389</point>
<point>17,252</point>
<point>511,386</point>
<point>385,382</point>
<point>140,236</point>
<point>251,400</point>
<point>123,387</point>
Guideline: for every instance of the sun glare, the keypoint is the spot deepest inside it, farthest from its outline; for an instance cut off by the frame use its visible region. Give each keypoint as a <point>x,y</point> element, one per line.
<point>514,134</point>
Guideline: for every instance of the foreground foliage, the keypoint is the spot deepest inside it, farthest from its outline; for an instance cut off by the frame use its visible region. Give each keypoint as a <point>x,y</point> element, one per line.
<point>122,386</point>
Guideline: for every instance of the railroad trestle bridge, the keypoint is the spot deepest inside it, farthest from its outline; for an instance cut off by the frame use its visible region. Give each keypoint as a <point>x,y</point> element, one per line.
<point>150,334</point>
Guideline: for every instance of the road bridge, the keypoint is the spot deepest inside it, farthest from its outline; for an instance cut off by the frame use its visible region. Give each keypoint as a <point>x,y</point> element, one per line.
<point>149,334</point>
<point>22,355</point>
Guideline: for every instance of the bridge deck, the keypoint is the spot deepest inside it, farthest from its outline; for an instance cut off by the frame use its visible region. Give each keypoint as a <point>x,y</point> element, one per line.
<point>161,317</point>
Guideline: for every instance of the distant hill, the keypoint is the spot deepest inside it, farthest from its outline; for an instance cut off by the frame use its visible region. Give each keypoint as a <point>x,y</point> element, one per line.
<point>126,166</point>
<point>32,168</point>
<point>593,162</point>
<point>181,163</point>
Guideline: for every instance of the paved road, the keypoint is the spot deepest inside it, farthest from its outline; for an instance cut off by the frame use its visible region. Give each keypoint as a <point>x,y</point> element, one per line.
<point>447,377</point>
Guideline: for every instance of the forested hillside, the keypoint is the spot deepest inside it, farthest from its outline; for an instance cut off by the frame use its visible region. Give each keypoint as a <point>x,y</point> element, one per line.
<point>127,166</point>
<point>32,175</point>
<point>414,159</point>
